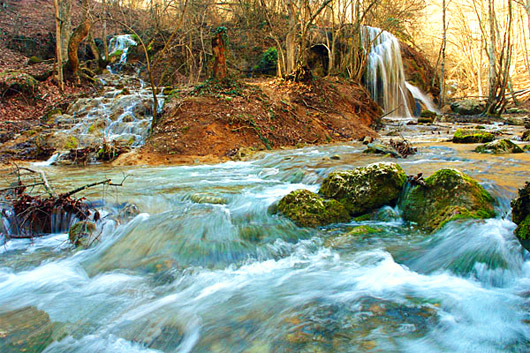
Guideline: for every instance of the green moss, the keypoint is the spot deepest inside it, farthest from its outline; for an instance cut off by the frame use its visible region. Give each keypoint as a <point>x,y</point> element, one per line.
<point>364,217</point>
<point>346,239</point>
<point>447,195</point>
<point>523,229</point>
<point>472,136</point>
<point>71,143</point>
<point>427,114</point>
<point>498,147</point>
<point>79,233</point>
<point>308,209</point>
<point>367,188</point>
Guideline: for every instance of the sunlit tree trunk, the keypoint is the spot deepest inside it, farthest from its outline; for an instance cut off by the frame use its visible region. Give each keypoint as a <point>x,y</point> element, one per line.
<point>58,45</point>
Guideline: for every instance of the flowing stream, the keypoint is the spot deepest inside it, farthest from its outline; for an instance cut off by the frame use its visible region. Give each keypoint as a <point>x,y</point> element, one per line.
<point>206,266</point>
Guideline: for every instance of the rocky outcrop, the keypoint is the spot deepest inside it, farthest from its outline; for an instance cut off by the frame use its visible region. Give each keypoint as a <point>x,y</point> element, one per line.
<point>521,216</point>
<point>472,136</point>
<point>308,209</point>
<point>468,107</point>
<point>447,195</point>
<point>364,189</point>
<point>499,147</point>
<point>25,330</point>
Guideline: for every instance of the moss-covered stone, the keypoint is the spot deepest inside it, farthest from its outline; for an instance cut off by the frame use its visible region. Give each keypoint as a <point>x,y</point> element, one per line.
<point>472,136</point>
<point>308,209</point>
<point>521,216</point>
<point>207,198</point>
<point>343,240</point>
<point>25,330</point>
<point>499,147</point>
<point>379,148</point>
<point>81,232</point>
<point>364,189</point>
<point>468,107</point>
<point>427,114</point>
<point>447,195</point>
<point>15,81</point>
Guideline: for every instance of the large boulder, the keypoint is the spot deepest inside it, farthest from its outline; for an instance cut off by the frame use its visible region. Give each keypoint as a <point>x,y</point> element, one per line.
<point>448,194</point>
<point>468,107</point>
<point>367,188</point>
<point>499,147</point>
<point>472,136</point>
<point>308,209</point>
<point>25,330</point>
<point>521,216</point>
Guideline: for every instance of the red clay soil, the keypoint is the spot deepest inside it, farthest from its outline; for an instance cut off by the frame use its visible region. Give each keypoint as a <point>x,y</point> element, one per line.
<point>215,123</point>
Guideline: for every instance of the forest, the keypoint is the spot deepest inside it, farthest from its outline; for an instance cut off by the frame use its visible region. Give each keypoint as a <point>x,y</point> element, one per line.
<point>265,176</point>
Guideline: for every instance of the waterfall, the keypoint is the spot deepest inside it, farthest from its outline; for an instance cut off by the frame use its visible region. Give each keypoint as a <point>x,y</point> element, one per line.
<point>121,43</point>
<point>385,76</point>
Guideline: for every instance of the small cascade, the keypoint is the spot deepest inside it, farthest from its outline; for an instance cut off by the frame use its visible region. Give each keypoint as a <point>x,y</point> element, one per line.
<point>422,97</point>
<point>385,76</point>
<point>119,45</point>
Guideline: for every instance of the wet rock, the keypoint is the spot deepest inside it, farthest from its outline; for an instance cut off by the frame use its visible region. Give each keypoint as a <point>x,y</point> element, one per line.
<point>447,195</point>
<point>526,136</point>
<point>521,216</point>
<point>367,140</point>
<point>472,136</point>
<point>468,107</point>
<point>364,189</point>
<point>81,233</point>
<point>25,330</point>
<point>129,210</point>
<point>499,147</point>
<point>379,148</point>
<point>308,209</point>
<point>207,198</point>
<point>344,240</point>
<point>516,120</point>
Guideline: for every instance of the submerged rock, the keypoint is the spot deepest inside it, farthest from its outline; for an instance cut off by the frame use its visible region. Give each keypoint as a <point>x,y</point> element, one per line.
<point>344,240</point>
<point>25,330</point>
<point>472,136</point>
<point>207,198</point>
<point>308,209</point>
<point>80,234</point>
<point>364,189</point>
<point>380,148</point>
<point>499,146</point>
<point>521,216</point>
<point>447,195</point>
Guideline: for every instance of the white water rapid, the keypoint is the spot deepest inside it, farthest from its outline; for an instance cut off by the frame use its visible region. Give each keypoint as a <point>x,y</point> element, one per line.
<point>208,267</point>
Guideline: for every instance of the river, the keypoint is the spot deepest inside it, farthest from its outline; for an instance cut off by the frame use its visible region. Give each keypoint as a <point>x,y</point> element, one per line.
<point>233,276</point>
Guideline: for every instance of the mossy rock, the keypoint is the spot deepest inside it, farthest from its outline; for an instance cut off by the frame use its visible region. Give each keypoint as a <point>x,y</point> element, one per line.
<point>427,114</point>
<point>25,330</point>
<point>80,234</point>
<point>17,82</point>
<point>447,195</point>
<point>521,216</point>
<point>34,60</point>
<point>367,188</point>
<point>343,240</point>
<point>308,209</point>
<point>472,136</point>
<point>379,148</point>
<point>499,147</point>
<point>207,198</point>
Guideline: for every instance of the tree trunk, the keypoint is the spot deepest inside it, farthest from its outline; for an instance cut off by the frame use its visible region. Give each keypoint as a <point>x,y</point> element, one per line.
<point>444,42</point>
<point>290,40</point>
<point>492,76</point>
<point>219,52</point>
<point>80,33</point>
<point>58,48</point>
<point>65,14</point>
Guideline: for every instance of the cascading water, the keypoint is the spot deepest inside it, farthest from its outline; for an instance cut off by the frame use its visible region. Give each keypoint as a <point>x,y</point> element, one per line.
<point>222,273</point>
<point>121,114</point>
<point>120,45</point>
<point>385,76</point>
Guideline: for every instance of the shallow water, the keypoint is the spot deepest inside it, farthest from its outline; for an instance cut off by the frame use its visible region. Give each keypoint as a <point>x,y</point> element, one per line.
<point>232,276</point>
